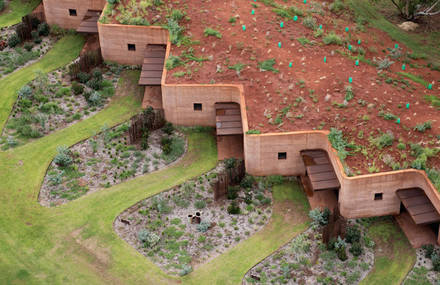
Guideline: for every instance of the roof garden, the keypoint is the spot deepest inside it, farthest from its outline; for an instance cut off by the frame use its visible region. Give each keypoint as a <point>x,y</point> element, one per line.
<point>307,66</point>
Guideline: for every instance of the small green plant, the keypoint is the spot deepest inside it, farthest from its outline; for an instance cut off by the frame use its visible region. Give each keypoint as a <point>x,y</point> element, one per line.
<point>310,22</point>
<point>253,132</point>
<point>267,65</point>
<point>383,140</point>
<point>173,62</point>
<point>349,93</point>
<point>423,127</point>
<point>332,38</point>
<point>211,32</point>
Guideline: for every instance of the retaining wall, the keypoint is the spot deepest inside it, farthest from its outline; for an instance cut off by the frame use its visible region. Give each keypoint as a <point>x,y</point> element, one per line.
<point>115,38</point>
<point>57,11</point>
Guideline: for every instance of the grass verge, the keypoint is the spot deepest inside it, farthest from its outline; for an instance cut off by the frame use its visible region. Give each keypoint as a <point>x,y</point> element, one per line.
<point>63,52</point>
<point>394,256</point>
<point>15,10</point>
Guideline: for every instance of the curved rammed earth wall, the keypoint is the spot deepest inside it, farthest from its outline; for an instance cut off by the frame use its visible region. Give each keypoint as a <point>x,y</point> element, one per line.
<point>57,11</point>
<point>356,196</point>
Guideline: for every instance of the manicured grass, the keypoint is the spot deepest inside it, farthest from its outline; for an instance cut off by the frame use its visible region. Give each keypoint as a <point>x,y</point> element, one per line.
<point>416,42</point>
<point>394,256</point>
<point>15,10</point>
<point>64,52</point>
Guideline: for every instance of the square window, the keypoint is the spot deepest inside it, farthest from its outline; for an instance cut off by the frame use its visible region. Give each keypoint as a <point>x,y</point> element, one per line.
<point>378,196</point>
<point>72,12</point>
<point>282,155</point>
<point>132,47</point>
<point>197,106</point>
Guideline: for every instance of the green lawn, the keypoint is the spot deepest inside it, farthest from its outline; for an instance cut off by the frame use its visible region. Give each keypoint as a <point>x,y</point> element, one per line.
<point>15,10</point>
<point>394,256</point>
<point>64,52</point>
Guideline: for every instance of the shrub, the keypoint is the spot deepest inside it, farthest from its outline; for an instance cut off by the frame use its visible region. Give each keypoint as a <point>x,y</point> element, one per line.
<point>25,92</point>
<point>429,250</point>
<point>77,88</point>
<point>349,93</point>
<point>319,218</point>
<point>177,15</point>
<point>200,204</point>
<point>353,234</point>
<point>165,144</point>
<point>230,163</point>
<point>186,269</point>
<point>113,2</point>
<point>168,128</point>
<point>177,148</point>
<point>95,83</point>
<point>147,238</point>
<point>13,40</point>
<point>211,32</point>
<point>423,127</point>
<point>233,192</point>
<point>28,46</point>
<point>384,140</point>
<point>97,74</point>
<point>247,181</point>
<point>233,208</point>
<point>83,77</point>
<point>63,91</point>
<point>356,249</point>
<point>173,62</point>
<point>435,258</point>
<point>337,6</point>
<point>383,64</point>
<point>204,226</point>
<point>95,99</point>
<point>338,142</point>
<point>332,38</point>
<point>310,22</point>
<point>2,5</point>
<point>63,158</point>
<point>43,29</point>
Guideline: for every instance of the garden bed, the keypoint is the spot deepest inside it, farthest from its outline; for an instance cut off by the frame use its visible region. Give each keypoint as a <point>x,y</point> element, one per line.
<point>16,53</point>
<point>424,271</point>
<point>306,260</point>
<point>107,159</point>
<point>53,101</point>
<point>161,228</point>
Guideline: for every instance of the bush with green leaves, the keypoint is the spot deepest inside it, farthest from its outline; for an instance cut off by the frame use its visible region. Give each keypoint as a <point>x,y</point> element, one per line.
<point>230,163</point>
<point>63,158</point>
<point>83,77</point>
<point>429,250</point>
<point>319,218</point>
<point>165,144</point>
<point>435,259</point>
<point>77,88</point>
<point>113,2</point>
<point>149,239</point>
<point>340,248</point>
<point>173,61</point>
<point>2,5</point>
<point>353,234</point>
<point>383,140</point>
<point>356,249</point>
<point>204,226</point>
<point>233,192</point>
<point>337,6</point>
<point>168,128</point>
<point>43,29</point>
<point>423,127</point>
<point>186,269</point>
<point>234,208</point>
<point>247,182</point>
<point>25,92</point>
<point>13,40</point>
<point>310,22</point>
<point>95,99</point>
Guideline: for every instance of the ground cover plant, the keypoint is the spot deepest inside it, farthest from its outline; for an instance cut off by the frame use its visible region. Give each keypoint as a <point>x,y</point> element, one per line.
<point>106,159</point>
<point>314,66</point>
<point>307,260</point>
<point>54,101</point>
<point>427,267</point>
<point>165,229</point>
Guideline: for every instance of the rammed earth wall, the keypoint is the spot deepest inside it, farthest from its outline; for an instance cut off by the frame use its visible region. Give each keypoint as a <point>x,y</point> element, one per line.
<point>57,11</point>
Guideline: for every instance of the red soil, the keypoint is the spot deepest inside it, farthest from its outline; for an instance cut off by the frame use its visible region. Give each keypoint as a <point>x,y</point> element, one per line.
<point>268,93</point>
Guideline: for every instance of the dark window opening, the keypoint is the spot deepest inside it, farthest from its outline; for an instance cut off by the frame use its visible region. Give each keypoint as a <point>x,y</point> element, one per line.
<point>72,12</point>
<point>378,196</point>
<point>282,155</point>
<point>197,106</point>
<point>132,47</point>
